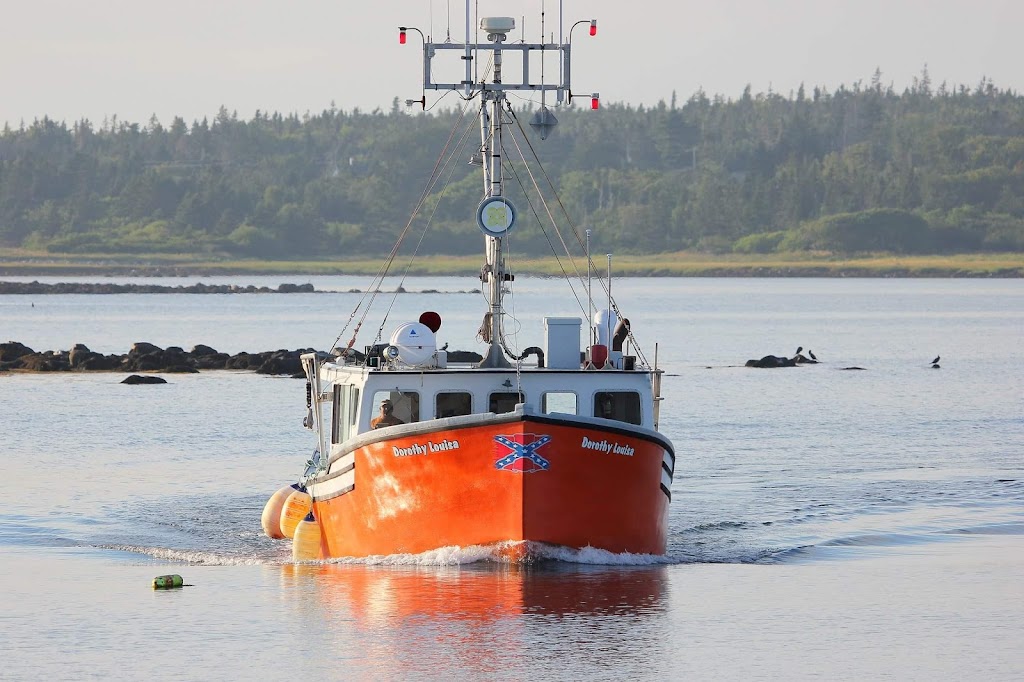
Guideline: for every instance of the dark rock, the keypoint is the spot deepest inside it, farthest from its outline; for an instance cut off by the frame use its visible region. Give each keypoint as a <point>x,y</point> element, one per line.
<point>175,356</point>
<point>240,361</point>
<point>201,351</point>
<point>79,354</point>
<point>147,363</point>
<point>137,379</point>
<point>143,348</point>
<point>214,361</point>
<point>771,361</point>
<point>12,350</point>
<point>181,369</point>
<point>352,353</point>
<point>295,288</point>
<point>43,362</point>
<point>95,361</point>
<point>281,362</point>
<point>464,356</point>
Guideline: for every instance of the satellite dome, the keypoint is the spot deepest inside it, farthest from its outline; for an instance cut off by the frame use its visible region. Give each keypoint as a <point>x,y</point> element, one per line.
<point>415,343</point>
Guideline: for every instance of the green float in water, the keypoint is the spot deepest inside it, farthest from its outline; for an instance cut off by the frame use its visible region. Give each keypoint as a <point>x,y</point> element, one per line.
<point>166,582</point>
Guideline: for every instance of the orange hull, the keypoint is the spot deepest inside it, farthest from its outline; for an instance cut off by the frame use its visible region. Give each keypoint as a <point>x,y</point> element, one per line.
<point>528,480</point>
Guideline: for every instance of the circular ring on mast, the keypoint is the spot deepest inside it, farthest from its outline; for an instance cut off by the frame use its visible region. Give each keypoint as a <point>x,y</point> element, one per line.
<point>496,216</point>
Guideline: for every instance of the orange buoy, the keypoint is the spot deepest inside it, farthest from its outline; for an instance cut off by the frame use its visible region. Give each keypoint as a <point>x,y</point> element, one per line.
<point>306,543</point>
<point>271,518</point>
<point>295,508</point>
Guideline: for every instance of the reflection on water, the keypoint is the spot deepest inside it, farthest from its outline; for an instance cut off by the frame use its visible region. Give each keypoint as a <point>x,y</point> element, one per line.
<point>482,617</point>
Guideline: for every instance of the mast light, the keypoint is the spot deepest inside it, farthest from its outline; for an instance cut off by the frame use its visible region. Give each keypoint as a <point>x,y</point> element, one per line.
<point>593,27</point>
<point>595,100</point>
<point>401,35</point>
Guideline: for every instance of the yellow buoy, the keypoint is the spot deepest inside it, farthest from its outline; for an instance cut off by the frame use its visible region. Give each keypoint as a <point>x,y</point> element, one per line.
<point>295,508</point>
<point>306,543</point>
<point>271,518</point>
<point>166,582</point>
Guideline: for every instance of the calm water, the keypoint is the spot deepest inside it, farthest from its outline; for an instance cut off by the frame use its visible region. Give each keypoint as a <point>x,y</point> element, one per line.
<point>825,523</point>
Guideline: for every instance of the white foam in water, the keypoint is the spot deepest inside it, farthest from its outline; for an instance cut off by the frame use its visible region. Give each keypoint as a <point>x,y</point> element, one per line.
<point>199,558</point>
<point>444,556</point>
<point>454,556</point>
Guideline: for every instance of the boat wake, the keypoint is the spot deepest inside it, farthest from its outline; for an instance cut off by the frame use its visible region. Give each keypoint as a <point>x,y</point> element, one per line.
<point>517,553</point>
<point>508,553</point>
<point>193,557</point>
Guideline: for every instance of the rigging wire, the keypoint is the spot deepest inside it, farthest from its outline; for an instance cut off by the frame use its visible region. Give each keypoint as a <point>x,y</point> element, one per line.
<point>386,265</point>
<point>540,223</point>
<point>576,233</point>
<point>448,163</point>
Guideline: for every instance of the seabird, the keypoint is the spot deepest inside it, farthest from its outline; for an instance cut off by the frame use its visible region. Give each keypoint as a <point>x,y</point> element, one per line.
<point>799,350</point>
<point>811,353</point>
<point>936,360</point>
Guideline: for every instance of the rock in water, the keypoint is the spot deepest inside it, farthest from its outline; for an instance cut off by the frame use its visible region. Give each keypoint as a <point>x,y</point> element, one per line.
<point>139,379</point>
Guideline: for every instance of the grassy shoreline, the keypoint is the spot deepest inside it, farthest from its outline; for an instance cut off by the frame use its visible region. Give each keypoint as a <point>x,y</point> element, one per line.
<point>683,264</point>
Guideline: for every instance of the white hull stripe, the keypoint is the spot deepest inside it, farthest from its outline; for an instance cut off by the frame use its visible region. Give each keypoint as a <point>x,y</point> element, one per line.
<point>668,461</point>
<point>666,480</point>
<point>333,486</point>
<point>339,463</point>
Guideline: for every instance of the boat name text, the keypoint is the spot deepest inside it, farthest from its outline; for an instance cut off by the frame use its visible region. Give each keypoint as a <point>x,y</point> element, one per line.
<point>607,447</point>
<point>425,448</point>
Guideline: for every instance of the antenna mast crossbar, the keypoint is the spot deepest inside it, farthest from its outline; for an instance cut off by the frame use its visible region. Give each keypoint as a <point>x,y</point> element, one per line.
<point>430,50</point>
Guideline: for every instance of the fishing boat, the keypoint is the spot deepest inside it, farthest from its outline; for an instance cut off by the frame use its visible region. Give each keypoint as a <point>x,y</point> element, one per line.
<point>553,447</point>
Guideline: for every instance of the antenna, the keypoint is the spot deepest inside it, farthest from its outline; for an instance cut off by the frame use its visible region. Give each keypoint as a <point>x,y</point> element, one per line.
<point>590,297</point>
<point>561,38</point>
<point>469,56</point>
<point>542,56</point>
<point>608,314</point>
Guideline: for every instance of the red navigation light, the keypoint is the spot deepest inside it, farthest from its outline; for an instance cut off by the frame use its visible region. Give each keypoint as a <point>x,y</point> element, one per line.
<point>593,30</point>
<point>595,101</point>
<point>401,36</point>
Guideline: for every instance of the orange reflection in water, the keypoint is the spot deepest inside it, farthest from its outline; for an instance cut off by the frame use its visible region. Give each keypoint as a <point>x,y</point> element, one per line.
<point>480,617</point>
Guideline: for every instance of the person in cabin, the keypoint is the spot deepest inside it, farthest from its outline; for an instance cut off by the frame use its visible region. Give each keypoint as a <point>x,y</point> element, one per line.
<point>387,416</point>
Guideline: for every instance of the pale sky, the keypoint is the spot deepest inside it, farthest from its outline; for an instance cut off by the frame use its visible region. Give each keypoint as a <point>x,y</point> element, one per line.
<point>72,59</point>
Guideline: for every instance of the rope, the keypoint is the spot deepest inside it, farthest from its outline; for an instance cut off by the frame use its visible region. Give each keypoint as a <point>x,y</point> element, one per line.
<point>540,223</point>
<point>382,271</point>
<point>456,151</point>
<point>576,233</point>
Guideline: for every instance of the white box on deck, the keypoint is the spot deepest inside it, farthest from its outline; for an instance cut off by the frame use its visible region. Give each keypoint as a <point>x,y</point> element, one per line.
<point>562,342</point>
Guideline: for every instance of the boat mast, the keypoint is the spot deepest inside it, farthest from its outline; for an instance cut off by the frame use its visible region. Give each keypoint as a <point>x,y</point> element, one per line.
<point>490,126</point>
<point>496,216</point>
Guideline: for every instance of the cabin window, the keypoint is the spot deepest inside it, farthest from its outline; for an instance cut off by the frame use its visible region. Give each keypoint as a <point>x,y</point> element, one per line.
<point>395,407</point>
<point>346,408</point>
<point>623,406</point>
<point>453,404</point>
<point>501,403</point>
<point>563,402</point>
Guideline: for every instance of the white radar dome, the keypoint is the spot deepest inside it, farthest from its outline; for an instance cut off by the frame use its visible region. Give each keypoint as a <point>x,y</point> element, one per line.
<point>415,343</point>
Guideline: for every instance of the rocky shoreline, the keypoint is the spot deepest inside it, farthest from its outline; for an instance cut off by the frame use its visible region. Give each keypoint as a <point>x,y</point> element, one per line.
<point>108,288</point>
<point>146,357</point>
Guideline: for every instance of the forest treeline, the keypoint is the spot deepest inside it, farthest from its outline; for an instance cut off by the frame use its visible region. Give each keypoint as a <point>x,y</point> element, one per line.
<point>859,169</point>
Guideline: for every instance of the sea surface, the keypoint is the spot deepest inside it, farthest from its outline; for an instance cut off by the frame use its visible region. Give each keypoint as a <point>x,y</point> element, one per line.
<point>826,523</point>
